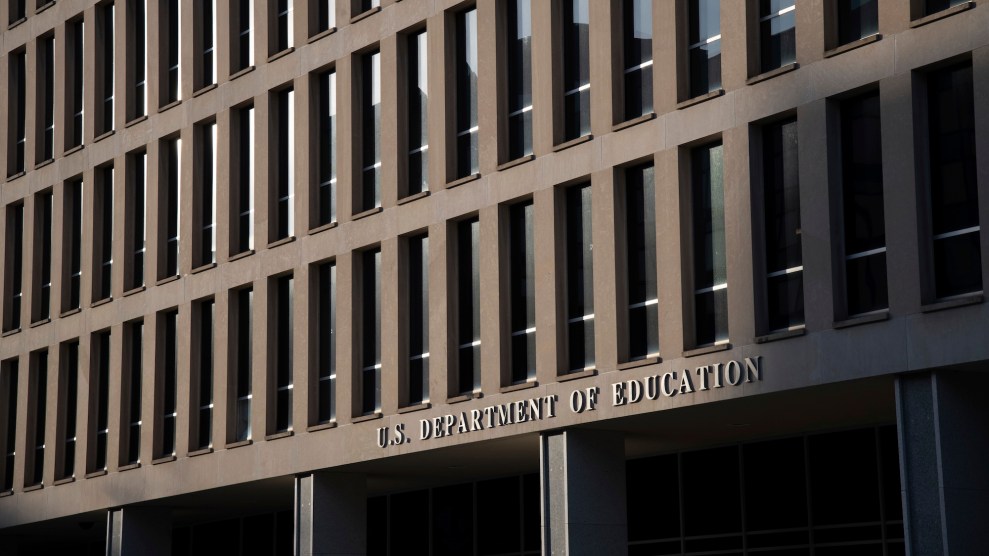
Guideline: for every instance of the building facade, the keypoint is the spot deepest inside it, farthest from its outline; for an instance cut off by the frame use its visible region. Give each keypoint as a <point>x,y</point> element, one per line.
<point>402,277</point>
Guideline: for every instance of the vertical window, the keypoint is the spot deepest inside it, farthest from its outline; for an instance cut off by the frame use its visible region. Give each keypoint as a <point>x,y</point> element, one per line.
<point>862,205</point>
<point>934,6</point>
<point>326,324</point>
<point>283,121</point>
<point>17,12</point>
<point>465,99</point>
<point>281,297</point>
<point>14,267</point>
<point>361,6</point>
<point>777,33</point>
<point>369,196</point>
<point>130,394</point>
<point>137,62</point>
<point>579,251</point>
<point>282,32</point>
<point>954,196</point>
<point>99,402</point>
<point>42,255</point>
<point>417,319</point>
<point>166,381</point>
<point>370,327</point>
<point>326,146</point>
<point>8,393</point>
<point>522,292</point>
<point>576,69</point>
<point>468,304</point>
<point>103,233</point>
<point>201,381</point>
<point>68,400</point>
<point>169,30</point>
<point>323,16</point>
<point>17,130</point>
<point>45,92</point>
<point>704,46</point>
<point>242,180</point>
<point>37,398</point>
<point>135,218</point>
<point>242,360</point>
<point>205,43</point>
<point>168,207</point>
<point>417,116</point>
<point>710,276</point>
<point>856,19</point>
<point>640,263</point>
<point>204,211</point>
<point>72,245</point>
<point>637,57</point>
<point>104,68</point>
<point>241,37</point>
<point>73,83</point>
<point>518,46</point>
<point>781,226</point>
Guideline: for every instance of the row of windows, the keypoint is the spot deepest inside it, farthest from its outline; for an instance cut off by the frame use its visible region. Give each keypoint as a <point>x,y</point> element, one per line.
<point>772,23</point>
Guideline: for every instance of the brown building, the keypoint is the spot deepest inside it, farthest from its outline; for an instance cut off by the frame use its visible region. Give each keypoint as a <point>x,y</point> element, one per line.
<point>494,277</point>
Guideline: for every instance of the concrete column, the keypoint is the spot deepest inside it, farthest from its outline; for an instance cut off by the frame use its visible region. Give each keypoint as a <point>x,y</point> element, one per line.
<point>738,234</point>
<point>439,335</point>
<point>144,531</point>
<point>259,360</point>
<point>390,127</point>
<point>668,230</point>
<point>542,79</point>
<point>392,286</point>
<point>487,90</point>
<point>492,337</point>
<point>582,477</point>
<point>346,395</point>
<point>944,451</point>
<point>549,330</point>
<point>330,514</point>
<point>605,277</point>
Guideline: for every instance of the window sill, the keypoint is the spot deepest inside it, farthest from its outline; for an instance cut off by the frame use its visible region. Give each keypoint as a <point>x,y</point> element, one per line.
<point>852,45</point>
<point>322,427</point>
<point>707,349</point>
<point>280,242</point>
<point>103,136</point>
<point>129,466</point>
<point>238,444</point>
<point>31,488</point>
<point>867,318</point>
<point>639,363</point>
<point>634,121</point>
<point>64,481</point>
<point>414,197</point>
<point>44,163</point>
<point>366,213</point>
<point>203,90</point>
<point>136,121</point>
<point>281,54</point>
<point>37,323</point>
<point>278,435</point>
<point>202,268</point>
<point>942,14</point>
<point>241,255</point>
<point>517,162</point>
<point>10,332</point>
<point>15,175</point>
<point>464,397</point>
<point>163,459</point>
<point>365,418</point>
<point>132,291</point>
<point>577,375</point>
<point>241,72</point>
<point>772,73</point>
<point>962,301</point>
<point>781,335</point>
<point>573,143</point>
<point>16,22</point>
<point>699,99</point>
<point>99,302</point>
<point>463,180</point>
<point>94,474</point>
<point>170,105</point>
<point>365,15</point>
<point>7,493</point>
<point>519,386</point>
<point>416,407</point>
<point>167,279</point>
<point>200,452</point>
<point>321,34</point>
<point>322,228</point>
<point>70,312</point>
<point>44,7</point>
<point>72,150</point>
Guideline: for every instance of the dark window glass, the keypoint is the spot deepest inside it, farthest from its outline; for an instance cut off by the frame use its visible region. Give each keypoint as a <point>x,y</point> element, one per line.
<point>712,510</point>
<point>934,6</point>
<point>576,69</point>
<point>637,52</point>
<point>468,306</point>
<point>653,507</point>
<point>579,278</point>
<point>326,17</point>
<point>204,213</point>
<point>781,213</point>
<point>171,39</point>
<point>777,33</point>
<point>169,206</point>
<point>38,397</point>
<point>137,50</point>
<point>499,521</point>
<point>856,19</point>
<point>202,365</point>
<point>370,132</point>
<point>465,100</point>
<point>862,203</point>
<point>72,244</point>
<point>104,68</point>
<point>640,270</point>
<point>242,351</point>
<point>282,297</point>
<point>207,39</point>
<point>242,40</point>
<point>69,386</point>
<point>409,523</point>
<point>16,8</point>
<point>453,526</point>
<point>519,61</point>
<point>370,361</point>
<point>74,83</point>
<point>99,388</point>
<point>14,265</point>
<point>327,340</point>
<point>46,98</point>
<point>17,134</point>
<point>326,146</point>
<point>704,46</point>
<point>242,178</point>
<point>284,164</point>
<point>43,254</point>
<point>954,191</point>
<point>283,25</point>
<point>361,6</point>
<point>168,360</point>
<point>522,292</point>
<point>418,124</point>
<point>418,319</point>
<point>131,394</point>
<point>103,231</point>
<point>8,393</point>
<point>710,272</point>
<point>136,218</point>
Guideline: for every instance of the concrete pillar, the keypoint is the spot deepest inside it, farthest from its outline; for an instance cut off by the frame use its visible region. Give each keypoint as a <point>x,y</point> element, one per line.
<point>582,477</point>
<point>330,514</point>
<point>944,451</point>
<point>144,531</point>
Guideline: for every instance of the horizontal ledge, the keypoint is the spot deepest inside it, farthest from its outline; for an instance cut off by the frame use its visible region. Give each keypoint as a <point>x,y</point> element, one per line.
<point>15,175</point>
<point>136,120</point>
<point>103,136</point>
<point>99,302</point>
<point>577,375</point>
<point>780,335</point>
<point>240,73</point>
<point>73,149</point>
<point>416,407</point>
<point>517,162</point>
<point>167,279</point>
<point>519,386</point>
<point>16,22</point>
<point>200,452</point>
<point>170,105</point>
<point>366,213</point>
<point>44,7</point>
<point>464,397</point>
<point>322,228</point>
<point>238,444</point>
<point>280,242</point>
<point>772,73</point>
<point>321,34</point>
<point>202,268</point>
<point>463,180</point>
<point>203,90</point>
<point>365,14</point>
<point>43,163</point>
<point>7,493</point>
<point>862,319</point>
<point>634,121</point>
<point>70,312</point>
<point>10,332</point>
<point>163,459</point>
<point>64,481</point>
<point>573,142</point>
<point>852,45</point>
<point>281,54</point>
<point>94,474</point>
<point>699,99</point>
<point>37,323</point>
<point>964,301</point>
<point>958,8</point>
<point>38,486</point>
<point>239,256</point>
<point>129,466</point>
<point>707,349</point>
<point>414,197</point>
<point>321,427</point>
<point>368,417</point>
<point>277,435</point>
<point>132,291</point>
<point>639,363</point>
